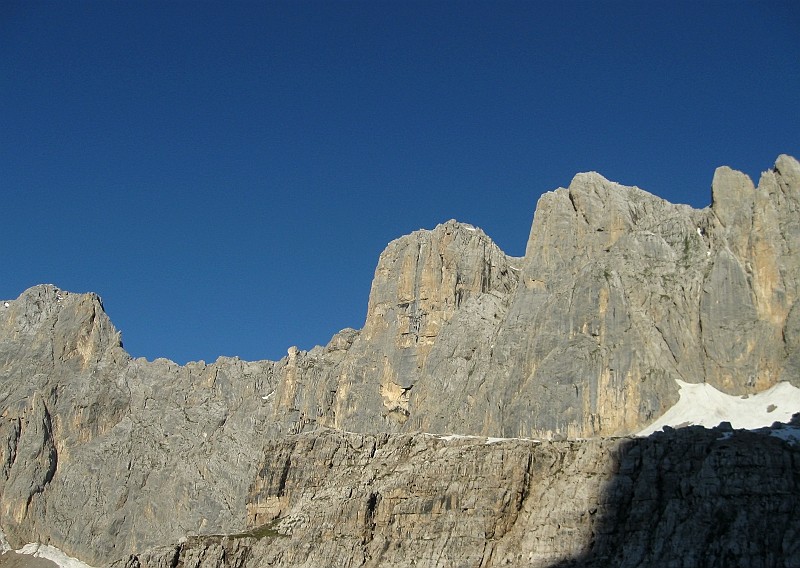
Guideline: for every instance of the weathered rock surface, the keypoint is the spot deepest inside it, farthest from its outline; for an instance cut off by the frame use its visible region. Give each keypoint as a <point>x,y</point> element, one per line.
<point>685,498</point>
<point>619,294</point>
<point>101,454</point>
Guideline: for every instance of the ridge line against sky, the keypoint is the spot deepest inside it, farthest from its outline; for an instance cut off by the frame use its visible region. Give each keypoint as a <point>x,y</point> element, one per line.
<point>225,175</point>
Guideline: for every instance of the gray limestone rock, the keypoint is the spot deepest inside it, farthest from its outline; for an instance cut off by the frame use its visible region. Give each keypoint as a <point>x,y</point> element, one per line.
<point>690,497</point>
<point>619,294</point>
<point>135,451</point>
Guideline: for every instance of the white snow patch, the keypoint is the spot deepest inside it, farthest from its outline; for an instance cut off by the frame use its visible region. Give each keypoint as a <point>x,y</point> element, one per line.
<point>4,546</point>
<point>791,434</point>
<point>496,440</point>
<point>703,405</point>
<point>487,440</point>
<point>268,396</point>
<point>53,554</point>
<point>451,437</point>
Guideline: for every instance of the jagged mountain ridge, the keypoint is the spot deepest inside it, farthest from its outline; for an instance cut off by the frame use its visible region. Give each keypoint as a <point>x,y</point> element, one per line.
<point>619,294</point>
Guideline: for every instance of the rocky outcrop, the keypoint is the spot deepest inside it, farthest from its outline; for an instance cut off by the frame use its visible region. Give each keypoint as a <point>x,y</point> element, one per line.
<point>101,454</point>
<point>692,497</point>
<point>620,295</point>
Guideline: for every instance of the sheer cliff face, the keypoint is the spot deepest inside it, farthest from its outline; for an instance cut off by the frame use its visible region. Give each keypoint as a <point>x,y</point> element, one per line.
<point>623,292</point>
<point>619,294</point>
<point>693,497</point>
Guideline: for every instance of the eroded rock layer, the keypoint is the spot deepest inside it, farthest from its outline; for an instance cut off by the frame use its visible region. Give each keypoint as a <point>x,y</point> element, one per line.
<point>690,497</point>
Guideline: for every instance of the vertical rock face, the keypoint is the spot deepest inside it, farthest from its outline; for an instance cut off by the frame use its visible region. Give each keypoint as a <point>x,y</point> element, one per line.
<point>431,289</point>
<point>684,498</point>
<point>47,338</point>
<point>625,292</point>
<point>619,295</point>
<point>422,281</point>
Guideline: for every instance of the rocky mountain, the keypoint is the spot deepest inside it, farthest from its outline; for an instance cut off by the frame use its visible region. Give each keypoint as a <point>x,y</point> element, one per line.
<point>620,298</point>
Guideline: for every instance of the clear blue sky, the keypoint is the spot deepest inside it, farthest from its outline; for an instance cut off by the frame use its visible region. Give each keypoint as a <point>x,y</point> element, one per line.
<point>225,174</point>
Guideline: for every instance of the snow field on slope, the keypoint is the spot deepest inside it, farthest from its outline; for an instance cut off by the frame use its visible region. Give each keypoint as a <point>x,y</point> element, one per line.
<point>703,405</point>
<point>53,554</point>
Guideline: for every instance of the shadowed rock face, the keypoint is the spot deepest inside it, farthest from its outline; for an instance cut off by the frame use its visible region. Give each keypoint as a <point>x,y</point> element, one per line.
<point>690,497</point>
<point>619,294</point>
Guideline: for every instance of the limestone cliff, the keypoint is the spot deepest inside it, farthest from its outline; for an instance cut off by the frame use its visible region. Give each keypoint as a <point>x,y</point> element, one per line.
<point>692,497</point>
<point>619,294</point>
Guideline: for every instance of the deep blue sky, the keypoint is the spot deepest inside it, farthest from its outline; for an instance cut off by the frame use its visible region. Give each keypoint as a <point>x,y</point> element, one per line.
<point>226,174</point>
